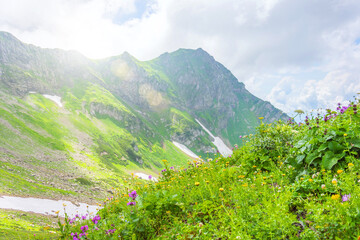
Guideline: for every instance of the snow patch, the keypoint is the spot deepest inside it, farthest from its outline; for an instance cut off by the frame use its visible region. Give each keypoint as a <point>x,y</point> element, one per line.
<point>185,149</point>
<point>46,206</point>
<point>54,98</point>
<point>218,142</point>
<point>145,176</point>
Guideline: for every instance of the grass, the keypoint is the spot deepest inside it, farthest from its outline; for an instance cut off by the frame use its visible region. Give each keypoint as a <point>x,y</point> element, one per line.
<point>21,225</point>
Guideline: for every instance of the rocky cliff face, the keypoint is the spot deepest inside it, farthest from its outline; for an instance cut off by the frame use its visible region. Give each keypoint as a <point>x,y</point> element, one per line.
<point>162,97</point>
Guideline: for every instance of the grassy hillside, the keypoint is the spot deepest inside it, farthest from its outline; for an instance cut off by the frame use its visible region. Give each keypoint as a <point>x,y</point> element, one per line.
<point>288,181</point>
<point>50,151</point>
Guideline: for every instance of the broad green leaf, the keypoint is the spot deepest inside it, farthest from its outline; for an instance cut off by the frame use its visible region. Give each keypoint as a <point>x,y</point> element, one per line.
<point>312,156</point>
<point>330,159</point>
<point>336,147</point>
<point>300,143</point>
<point>300,158</point>
<point>322,147</point>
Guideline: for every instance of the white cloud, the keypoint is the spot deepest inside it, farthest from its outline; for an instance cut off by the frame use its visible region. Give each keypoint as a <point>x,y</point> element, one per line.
<point>290,52</point>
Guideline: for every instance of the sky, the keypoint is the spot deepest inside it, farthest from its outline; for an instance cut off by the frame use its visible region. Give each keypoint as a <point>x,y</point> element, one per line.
<point>297,54</point>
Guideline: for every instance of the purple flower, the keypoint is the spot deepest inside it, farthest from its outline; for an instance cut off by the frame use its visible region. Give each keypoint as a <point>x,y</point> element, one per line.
<point>133,195</point>
<point>172,168</point>
<point>164,170</point>
<point>84,217</point>
<point>240,136</point>
<point>75,236</point>
<point>82,234</point>
<point>84,228</point>
<point>131,203</point>
<point>96,219</point>
<point>346,197</point>
<point>150,177</point>
<point>110,231</point>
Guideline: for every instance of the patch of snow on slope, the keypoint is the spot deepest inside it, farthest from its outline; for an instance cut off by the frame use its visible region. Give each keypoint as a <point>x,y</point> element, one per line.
<point>185,149</point>
<point>54,98</point>
<point>46,206</point>
<point>218,142</point>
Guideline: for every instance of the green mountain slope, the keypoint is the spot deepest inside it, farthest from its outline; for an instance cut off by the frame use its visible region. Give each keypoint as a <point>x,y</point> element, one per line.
<point>118,115</point>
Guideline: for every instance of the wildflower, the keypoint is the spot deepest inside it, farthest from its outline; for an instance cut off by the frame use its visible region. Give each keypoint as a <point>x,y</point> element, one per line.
<point>207,181</point>
<point>57,212</point>
<point>241,176</point>
<point>339,171</point>
<point>261,118</point>
<point>84,217</point>
<point>346,197</point>
<point>335,197</point>
<point>110,231</point>
<point>323,186</point>
<point>84,228</point>
<point>254,166</point>
<point>150,177</point>
<point>310,180</point>
<point>96,219</point>
<point>82,234</point>
<point>75,236</point>
<point>164,170</point>
<point>334,181</point>
<point>131,203</point>
<point>164,160</point>
<point>172,168</point>
<point>221,189</point>
<point>350,165</point>
<point>197,183</point>
<point>345,134</point>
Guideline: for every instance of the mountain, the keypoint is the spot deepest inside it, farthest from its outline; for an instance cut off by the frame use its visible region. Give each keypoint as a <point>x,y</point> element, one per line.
<point>115,116</point>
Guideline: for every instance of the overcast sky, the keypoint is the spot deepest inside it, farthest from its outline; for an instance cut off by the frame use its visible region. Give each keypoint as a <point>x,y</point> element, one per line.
<point>297,54</point>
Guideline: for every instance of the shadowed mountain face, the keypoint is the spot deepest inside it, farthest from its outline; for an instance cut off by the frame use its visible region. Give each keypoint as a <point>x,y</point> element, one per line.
<point>127,111</point>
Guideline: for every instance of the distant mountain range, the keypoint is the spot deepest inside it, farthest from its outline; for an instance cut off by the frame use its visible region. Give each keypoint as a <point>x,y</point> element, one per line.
<point>113,116</point>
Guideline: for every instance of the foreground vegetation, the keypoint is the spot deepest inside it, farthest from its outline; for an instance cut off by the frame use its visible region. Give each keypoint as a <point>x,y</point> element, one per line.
<point>287,181</point>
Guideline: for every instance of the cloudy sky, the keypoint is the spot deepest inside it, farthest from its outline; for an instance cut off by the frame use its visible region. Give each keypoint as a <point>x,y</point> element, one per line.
<point>297,54</point>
